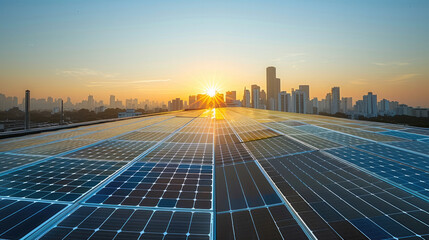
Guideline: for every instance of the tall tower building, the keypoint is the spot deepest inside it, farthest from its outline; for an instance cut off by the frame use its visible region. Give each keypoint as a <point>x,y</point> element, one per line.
<point>273,88</point>
<point>112,101</point>
<point>370,105</point>
<point>246,98</point>
<point>192,101</point>
<point>263,99</point>
<point>298,101</point>
<point>231,97</point>
<point>284,101</point>
<point>306,89</point>
<point>335,107</point>
<point>27,109</point>
<point>255,94</point>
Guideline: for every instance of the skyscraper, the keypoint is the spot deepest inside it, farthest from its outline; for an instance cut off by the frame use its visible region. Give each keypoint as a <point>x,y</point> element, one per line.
<point>284,101</point>
<point>91,102</point>
<point>346,104</point>
<point>273,88</point>
<point>231,96</point>
<point>255,94</point>
<point>263,99</point>
<point>370,105</point>
<point>306,90</point>
<point>246,98</point>
<point>298,101</point>
<point>192,101</point>
<point>112,102</point>
<point>335,107</point>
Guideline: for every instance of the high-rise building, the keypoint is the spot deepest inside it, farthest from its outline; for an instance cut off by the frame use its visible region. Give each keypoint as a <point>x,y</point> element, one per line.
<point>273,88</point>
<point>306,90</point>
<point>176,104</point>
<point>315,105</point>
<point>231,96</point>
<point>255,95</point>
<point>383,107</point>
<point>201,101</point>
<point>27,109</point>
<point>192,102</point>
<point>370,105</point>
<point>263,99</point>
<point>346,105</point>
<point>246,98</point>
<point>284,101</point>
<point>91,102</point>
<point>335,104</point>
<point>219,100</point>
<point>112,101</point>
<point>298,101</point>
<point>327,103</point>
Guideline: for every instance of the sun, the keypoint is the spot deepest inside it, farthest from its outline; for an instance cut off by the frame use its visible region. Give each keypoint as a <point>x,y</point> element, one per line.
<point>211,91</point>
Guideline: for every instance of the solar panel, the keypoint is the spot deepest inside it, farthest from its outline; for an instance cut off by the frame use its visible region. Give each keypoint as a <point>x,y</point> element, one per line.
<point>231,173</point>
<point>344,197</point>
<point>160,185</point>
<point>56,179</point>
<point>18,218</point>
<point>10,161</point>
<point>116,223</point>
<point>276,146</point>
<point>113,150</point>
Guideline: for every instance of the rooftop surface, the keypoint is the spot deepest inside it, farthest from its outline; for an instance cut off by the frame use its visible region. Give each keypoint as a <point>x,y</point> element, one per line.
<point>232,173</point>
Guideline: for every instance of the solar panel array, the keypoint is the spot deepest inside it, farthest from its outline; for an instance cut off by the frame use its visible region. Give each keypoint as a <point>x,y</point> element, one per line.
<point>231,173</point>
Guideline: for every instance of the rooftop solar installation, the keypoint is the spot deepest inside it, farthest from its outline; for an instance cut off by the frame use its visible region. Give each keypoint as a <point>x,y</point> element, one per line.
<point>227,173</point>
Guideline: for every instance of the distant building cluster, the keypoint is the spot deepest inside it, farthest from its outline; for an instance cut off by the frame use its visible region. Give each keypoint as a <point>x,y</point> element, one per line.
<point>298,101</point>
<point>90,103</point>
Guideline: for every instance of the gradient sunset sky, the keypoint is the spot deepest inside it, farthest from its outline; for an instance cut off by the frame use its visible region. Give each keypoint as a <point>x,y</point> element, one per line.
<point>165,49</point>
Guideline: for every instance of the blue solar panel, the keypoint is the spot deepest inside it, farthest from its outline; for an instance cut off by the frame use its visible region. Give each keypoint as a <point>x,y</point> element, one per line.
<point>160,185</point>
<point>18,218</point>
<point>403,175</point>
<point>232,173</point>
<point>404,135</point>
<point>57,179</point>
<point>117,223</point>
<point>416,160</point>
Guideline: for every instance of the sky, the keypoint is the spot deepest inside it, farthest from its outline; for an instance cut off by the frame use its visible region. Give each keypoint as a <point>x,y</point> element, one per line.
<point>164,49</point>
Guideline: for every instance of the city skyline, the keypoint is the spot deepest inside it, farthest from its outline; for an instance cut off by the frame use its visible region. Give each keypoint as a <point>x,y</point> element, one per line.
<point>159,51</point>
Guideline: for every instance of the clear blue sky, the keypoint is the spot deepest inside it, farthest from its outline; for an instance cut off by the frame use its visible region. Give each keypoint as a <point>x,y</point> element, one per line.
<point>164,49</point>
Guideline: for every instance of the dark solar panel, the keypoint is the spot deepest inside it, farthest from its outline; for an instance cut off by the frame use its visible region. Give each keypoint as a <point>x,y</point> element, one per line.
<point>57,179</point>
<point>18,218</point>
<point>167,179</point>
<point>160,185</point>
<point>10,161</point>
<point>114,150</point>
<point>109,223</point>
<point>351,198</point>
